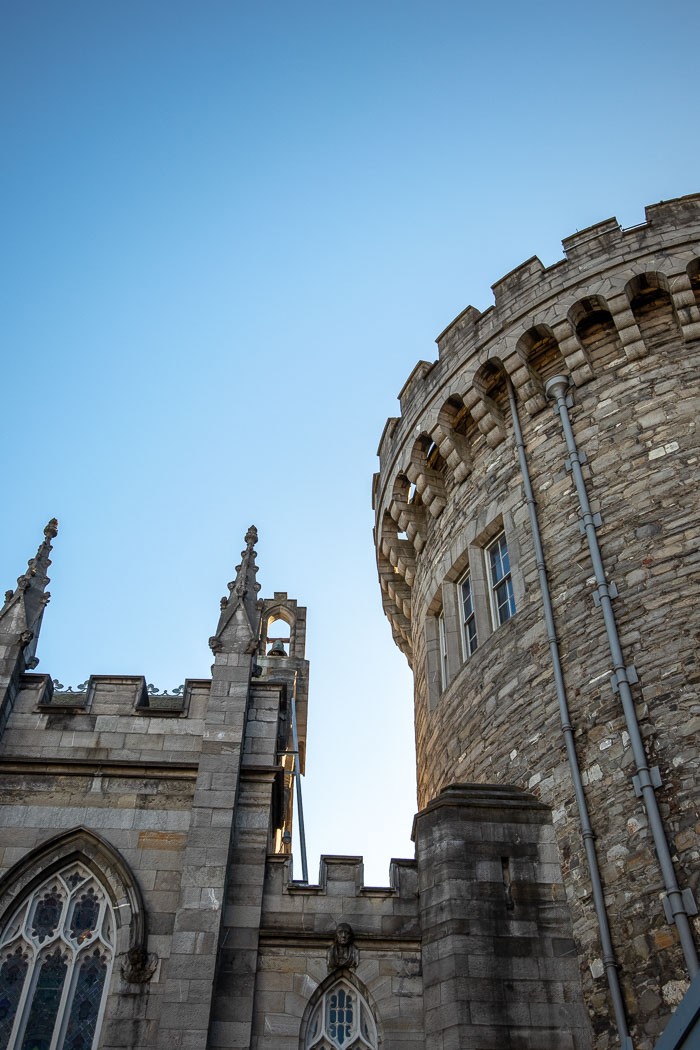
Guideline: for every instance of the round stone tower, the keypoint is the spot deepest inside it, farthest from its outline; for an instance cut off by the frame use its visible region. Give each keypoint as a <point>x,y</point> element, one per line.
<point>538,550</point>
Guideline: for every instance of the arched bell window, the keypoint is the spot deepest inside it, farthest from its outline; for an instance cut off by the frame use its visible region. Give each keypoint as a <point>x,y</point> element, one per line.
<point>56,955</point>
<point>341,1020</point>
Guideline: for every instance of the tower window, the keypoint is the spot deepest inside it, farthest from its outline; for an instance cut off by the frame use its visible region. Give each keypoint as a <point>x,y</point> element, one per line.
<point>443,650</point>
<point>466,603</point>
<point>55,958</point>
<point>502,600</point>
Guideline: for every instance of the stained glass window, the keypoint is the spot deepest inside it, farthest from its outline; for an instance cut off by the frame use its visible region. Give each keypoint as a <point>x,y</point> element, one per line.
<point>47,912</point>
<point>12,974</point>
<point>45,1001</point>
<point>341,1020</point>
<point>86,1002</point>
<point>56,954</point>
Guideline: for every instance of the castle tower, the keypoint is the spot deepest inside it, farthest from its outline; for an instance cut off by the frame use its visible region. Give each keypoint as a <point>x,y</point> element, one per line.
<point>537,547</point>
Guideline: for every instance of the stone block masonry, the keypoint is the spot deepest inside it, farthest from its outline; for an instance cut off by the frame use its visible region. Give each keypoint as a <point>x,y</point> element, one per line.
<point>619,318</point>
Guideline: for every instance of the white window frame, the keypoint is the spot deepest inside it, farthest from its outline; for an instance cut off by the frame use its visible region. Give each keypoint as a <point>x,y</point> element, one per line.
<point>504,580</point>
<point>442,636</point>
<point>19,933</point>
<point>467,616</point>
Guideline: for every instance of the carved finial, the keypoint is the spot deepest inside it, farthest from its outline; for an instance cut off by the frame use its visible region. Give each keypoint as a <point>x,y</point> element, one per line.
<point>343,954</point>
<point>243,590</point>
<point>24,607</point>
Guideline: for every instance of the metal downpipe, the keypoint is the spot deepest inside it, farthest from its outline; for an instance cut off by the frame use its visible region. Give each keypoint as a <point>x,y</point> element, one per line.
<point>297,777</point>
<point>557,389</point>
<point>587,834</point>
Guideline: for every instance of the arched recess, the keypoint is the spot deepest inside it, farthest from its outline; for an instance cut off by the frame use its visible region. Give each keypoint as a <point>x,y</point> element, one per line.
<point>651,304</point>
<point>539,351</point>
<point>80,845</point>
<point>279,624</point>
<point>454,435</point>
<point>407,510</point>
<point>597,332</point>
<point>400,552</point>
<point>320,1023</point>
<point>426,471</point>
<point>489,401</point>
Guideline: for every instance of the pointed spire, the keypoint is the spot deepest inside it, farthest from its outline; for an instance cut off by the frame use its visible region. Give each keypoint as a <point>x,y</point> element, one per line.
<point>243,591</point>
<point>24,607</point>
<point>245,587</point>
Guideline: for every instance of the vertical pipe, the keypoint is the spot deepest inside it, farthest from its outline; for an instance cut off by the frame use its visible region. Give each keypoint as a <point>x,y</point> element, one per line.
<point>300,807</point>
<point>609,960</point>
<point>557,389</point>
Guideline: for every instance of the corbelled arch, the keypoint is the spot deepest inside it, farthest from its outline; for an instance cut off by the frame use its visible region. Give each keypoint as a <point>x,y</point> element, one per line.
<point>538,349</point>
<point>488,399</point>
<point>596,330</point>
<point>426,470</point>
<point>454,434</point>
<point>407,510</point>
<point>652,305</point>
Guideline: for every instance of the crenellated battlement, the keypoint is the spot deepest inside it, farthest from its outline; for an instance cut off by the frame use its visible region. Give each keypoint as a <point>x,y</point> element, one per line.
<point>342,875</point>
<point>544,320</point>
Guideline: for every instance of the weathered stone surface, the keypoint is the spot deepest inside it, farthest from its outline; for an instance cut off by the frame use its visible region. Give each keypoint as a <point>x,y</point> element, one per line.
<point>611,317</point>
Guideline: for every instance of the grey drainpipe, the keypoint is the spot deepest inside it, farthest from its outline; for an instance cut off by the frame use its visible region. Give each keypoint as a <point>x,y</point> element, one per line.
<point>587,834</point>
<point>678,905</point>
<point>297,778</point>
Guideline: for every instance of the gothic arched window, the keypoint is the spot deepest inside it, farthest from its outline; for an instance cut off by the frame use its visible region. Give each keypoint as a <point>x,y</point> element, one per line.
<point>341,1020</point>
<point>56,955</point>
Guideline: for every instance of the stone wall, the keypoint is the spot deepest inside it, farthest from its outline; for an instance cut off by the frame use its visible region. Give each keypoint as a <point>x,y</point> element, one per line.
<point>98,761</point>
<point>620,316</point>
<point>297,928</point>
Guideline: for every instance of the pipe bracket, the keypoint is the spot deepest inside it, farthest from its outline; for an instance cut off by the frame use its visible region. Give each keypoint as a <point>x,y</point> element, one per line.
<point>689,905</point>
<point>596,521</point>
<point>612,593</point>
<point>630,675</point>
<point>654,779</point>
<point>581,456</point>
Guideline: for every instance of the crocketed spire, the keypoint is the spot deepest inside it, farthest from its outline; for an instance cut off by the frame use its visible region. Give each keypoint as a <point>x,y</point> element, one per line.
<point>24,607</point>
<point>243,591</point>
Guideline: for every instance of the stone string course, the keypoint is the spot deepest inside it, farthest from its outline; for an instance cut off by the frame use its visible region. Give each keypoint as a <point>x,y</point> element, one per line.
<point>620,315</point>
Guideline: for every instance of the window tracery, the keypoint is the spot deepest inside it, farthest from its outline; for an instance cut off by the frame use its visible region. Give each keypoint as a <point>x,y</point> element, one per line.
<point>56,955</point>
<point>341,1020</point>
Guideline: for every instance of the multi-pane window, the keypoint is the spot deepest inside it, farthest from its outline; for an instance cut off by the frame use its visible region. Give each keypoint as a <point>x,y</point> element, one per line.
<point>55,958</point>
<point>502,600</point>
<point>341,1019</point>
<point>466,604</point>
<point>443,650</point>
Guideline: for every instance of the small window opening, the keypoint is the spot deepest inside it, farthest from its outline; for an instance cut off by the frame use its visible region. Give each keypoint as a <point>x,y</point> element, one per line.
<point>502,598</point>
<point>507,883</point>
<point>278,637</point>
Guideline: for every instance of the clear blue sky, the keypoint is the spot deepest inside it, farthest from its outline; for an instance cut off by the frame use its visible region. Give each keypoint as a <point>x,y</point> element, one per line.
<point>229,232</point>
